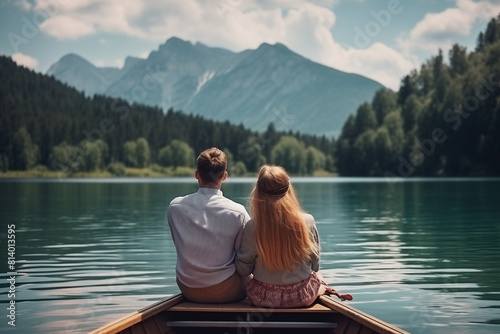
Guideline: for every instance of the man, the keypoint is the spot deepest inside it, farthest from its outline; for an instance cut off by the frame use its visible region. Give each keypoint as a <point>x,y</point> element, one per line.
<point>206,229</point>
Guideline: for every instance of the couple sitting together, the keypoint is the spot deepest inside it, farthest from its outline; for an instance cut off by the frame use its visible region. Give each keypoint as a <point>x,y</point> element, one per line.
<point>225,255</point>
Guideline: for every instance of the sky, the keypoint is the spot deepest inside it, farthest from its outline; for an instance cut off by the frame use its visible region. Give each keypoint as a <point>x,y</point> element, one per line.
<point>380,39</point>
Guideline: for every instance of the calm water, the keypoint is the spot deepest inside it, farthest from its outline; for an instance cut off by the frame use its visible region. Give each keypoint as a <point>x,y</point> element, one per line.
<point>423,255</point>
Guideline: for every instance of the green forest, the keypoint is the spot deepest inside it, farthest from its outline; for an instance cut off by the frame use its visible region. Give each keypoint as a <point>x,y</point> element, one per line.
<point>443,121</point>
<point>48,126</point>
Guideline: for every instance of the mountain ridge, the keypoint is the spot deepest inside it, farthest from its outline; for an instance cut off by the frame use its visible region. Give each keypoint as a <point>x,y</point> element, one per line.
<point>270,84</point>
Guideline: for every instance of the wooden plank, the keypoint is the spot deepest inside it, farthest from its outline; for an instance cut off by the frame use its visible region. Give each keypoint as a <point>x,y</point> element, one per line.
<point>353,328</point>
<point>136,317</point>
<point>152,319</point>
<point>161,322</point>
<point>139,328</point>
<point>150,326</point>
<point>343,324</point>
<point>366,330</point>
<point>160,306</point>
<point>252,324</point>
<point>377,325</point>
<point>244,307</point>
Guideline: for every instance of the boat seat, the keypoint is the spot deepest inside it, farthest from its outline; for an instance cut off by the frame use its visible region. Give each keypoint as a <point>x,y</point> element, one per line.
<point>244,315</point>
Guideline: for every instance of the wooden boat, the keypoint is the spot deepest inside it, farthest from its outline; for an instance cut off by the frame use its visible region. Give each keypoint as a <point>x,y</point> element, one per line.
<point>177,315</point>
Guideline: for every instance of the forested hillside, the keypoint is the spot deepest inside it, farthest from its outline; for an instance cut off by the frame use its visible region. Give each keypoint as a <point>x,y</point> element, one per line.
<point>444,120</point>
<point>46,124</point>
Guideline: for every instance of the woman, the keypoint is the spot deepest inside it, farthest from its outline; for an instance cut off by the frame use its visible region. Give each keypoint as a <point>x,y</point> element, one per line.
<point>280,246</point>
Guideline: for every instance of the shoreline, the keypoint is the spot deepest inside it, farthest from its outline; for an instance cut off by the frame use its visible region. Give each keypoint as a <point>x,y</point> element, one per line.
<point>147,173</point>
<point>127,172</point>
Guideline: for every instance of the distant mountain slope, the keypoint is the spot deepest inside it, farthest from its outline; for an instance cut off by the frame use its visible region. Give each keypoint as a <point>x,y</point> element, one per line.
<point>172,75</point>
<point>253,87</point>
<point>84,76</point>
<point>273,84</point>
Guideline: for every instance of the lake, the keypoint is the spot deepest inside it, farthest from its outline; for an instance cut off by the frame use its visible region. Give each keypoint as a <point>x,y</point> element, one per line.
<point>422,254</point>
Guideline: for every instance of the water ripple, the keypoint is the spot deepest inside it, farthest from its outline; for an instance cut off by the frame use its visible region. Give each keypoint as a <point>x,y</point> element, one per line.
<point>425,260</point>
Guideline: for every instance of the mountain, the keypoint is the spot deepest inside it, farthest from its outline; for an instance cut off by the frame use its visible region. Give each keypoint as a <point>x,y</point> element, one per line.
<point>47,123</point>
<point>84,76</point>
<point>252,87</point>
<point>273,84</point>
<point>171,76</point>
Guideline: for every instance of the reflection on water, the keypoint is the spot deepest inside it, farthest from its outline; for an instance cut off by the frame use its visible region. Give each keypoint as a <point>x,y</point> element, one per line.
<point>89,251</point>
<point>424,256</point>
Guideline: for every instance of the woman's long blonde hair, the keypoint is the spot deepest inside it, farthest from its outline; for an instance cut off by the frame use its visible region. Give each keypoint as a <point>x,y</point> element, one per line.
<point>282,238</point>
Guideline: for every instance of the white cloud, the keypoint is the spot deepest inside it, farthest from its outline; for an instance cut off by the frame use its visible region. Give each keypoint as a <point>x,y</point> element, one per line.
<point>100,63</point>
<point>66,27</point>
<point>189,19</point>
<point>119,63</point>
<point>441,30</point>
<point>78,18</point>
<point>25,60</point>
<point>144,54</point>
<point>382,63</point>
<point>305,27</point>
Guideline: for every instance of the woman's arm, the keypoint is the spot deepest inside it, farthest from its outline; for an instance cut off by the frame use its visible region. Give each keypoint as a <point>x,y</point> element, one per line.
<point>245,258</point>
<point>315,258</point>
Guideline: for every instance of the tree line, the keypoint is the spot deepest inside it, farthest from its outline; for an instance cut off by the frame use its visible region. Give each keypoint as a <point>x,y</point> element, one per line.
<point>444,120</point>
<point>45,123</point>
